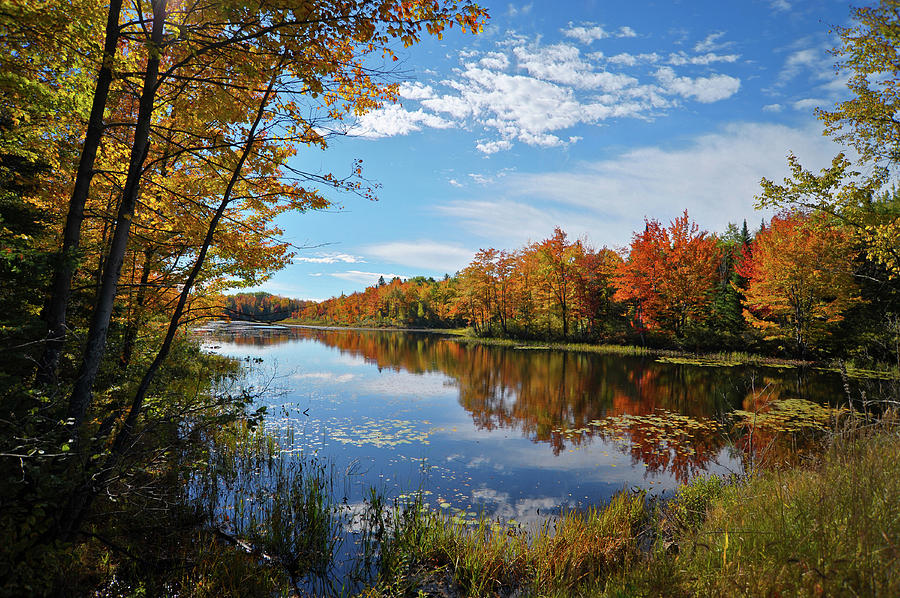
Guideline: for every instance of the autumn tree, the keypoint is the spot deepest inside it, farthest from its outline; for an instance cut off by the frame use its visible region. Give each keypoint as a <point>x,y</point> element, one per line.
<point>669,275</point>
<point>594,290</point>
<point>557,260</point>
<point>189,54</point>
<point>800,280</point>
<point>869,56</point>
<point>188,115</point>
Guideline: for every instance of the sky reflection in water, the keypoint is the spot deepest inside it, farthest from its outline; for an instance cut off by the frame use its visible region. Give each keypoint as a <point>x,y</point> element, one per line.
<point>517,434</point>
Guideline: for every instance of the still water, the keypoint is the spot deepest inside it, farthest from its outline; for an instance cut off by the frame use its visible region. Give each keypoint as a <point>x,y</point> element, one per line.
<point>515,434</point>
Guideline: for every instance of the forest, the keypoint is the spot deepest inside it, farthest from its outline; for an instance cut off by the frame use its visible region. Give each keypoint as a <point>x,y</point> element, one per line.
<point>145,152</point>
<point>147,149</point>
<point>804,285</point>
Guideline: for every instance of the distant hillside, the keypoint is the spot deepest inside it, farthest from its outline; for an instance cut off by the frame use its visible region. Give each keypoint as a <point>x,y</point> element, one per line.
<point>261,306</point>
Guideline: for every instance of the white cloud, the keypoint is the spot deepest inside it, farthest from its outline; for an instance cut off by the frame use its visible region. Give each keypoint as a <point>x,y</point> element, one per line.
<point>415,91</point>
<point>455,183</point>
<point>626,59</point>
<point>711,43</point>
<point>562,63</point>
<point>331,258</point>
<point>773,108</point>
<point>715,177</point>
<point>798,61</point>
<point>428,255</point>
<point>494,60</point>
<point>589,33</point>
<point>514,10</point>
<point>683,58</point>
<point>586,35</point>
<point>393,120</point>
<point>703,89</point>
<point>506,222</point>
<point>808,103</point>
<point>492,147</point>
<point>526,91</point>
<point>780,5</point>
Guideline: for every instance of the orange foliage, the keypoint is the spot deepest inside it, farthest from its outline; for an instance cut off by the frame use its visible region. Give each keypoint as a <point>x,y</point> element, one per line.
<point>670,275</point>
<point>800,279</point>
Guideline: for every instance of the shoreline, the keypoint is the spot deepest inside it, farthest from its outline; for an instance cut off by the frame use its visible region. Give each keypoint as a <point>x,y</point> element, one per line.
<point>722,358</point>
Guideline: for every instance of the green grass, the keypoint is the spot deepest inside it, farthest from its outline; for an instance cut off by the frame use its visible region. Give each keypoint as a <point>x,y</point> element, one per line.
<point>829,528</point>
<point>724,358</point>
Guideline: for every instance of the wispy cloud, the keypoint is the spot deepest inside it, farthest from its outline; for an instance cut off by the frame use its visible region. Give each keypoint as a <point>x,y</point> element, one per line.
<point>331,258</point>
<point>682,58</point>
<point>394,120</point>
<point>702,89</point>
<point>711,42</point>
<point>587,34</point>
<point>780,5</point>
<point>423,254</point>
<point>808,104</point>
<point>798,61</point>
<point>515,10</point>
<point>366,278</point>
<point>715,176</point>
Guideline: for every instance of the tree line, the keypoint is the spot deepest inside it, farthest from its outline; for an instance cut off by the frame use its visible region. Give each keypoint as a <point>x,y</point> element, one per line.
<point>798,286</point>
<point>261,306</point>
<point>822,278</point>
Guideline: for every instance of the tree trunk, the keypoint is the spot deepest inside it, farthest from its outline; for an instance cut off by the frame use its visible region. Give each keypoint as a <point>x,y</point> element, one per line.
<point>96,342</point>
<point>84,496</point>
<point>55,314</point>
<point>134,324</point>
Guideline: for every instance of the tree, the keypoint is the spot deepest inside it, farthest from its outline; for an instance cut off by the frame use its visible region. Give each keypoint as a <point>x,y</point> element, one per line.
<point>316,53</point>
<point>196,110</point>
<point>594,275</point>
<point>558,260</point>
<point>670,275</point>
<point>868,120</point>
<point>727,310</point>
<point>799,279</point>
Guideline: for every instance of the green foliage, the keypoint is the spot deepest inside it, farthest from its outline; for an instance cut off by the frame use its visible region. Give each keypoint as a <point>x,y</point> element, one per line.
<point>24,263</point>
<point>690,505</point>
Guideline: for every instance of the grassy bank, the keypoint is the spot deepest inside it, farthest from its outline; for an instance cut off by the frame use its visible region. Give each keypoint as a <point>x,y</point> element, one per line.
<point>829,527</point>
<point>722,358</point>
<point>256,523</point>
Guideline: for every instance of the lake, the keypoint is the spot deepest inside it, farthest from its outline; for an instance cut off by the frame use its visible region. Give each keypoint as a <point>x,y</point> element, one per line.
<point>516,434</point>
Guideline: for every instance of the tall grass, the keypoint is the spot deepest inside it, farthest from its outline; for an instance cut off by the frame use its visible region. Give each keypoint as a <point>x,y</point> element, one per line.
<point>429,553</point>
<point>829,528</point>
<point>283,511</point>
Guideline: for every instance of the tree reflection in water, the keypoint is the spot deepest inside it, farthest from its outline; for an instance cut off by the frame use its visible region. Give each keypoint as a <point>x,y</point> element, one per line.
<point>669,417</point>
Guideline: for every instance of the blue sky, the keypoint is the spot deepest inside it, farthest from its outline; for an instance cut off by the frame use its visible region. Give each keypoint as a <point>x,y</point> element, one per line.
<point>586,115</point>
